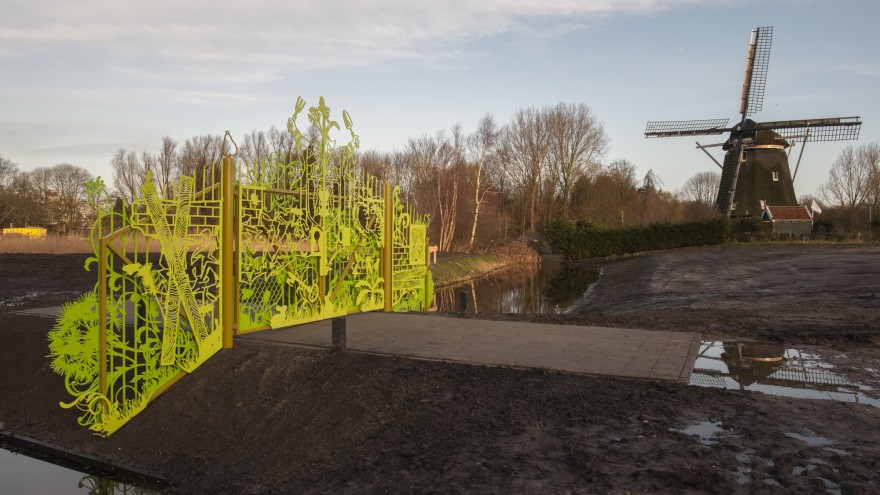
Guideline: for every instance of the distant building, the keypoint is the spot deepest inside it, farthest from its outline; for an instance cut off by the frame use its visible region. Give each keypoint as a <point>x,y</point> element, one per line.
<point>791,220</point>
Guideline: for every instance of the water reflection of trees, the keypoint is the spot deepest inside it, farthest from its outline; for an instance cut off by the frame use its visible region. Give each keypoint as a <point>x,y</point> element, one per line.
<point>522,289</point>
<point>103,486</point>
<point>568,286</point>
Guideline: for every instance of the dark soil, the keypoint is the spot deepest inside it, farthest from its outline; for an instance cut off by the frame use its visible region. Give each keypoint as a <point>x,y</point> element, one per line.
<point>266,418</point>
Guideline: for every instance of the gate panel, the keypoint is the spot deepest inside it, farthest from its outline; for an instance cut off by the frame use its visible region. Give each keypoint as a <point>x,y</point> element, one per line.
<point>153,314</point>
<point>412,288</point>
<point>311,231</point>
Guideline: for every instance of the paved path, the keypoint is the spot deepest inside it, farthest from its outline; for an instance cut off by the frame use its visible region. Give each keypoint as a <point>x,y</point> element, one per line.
<point>624,352</point>
<point>659,355</point>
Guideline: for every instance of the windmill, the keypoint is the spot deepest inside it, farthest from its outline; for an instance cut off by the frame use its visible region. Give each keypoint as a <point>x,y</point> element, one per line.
<point>755,170</point>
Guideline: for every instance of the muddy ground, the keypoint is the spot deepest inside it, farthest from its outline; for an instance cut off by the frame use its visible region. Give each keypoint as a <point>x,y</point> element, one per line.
<point>264,418</point>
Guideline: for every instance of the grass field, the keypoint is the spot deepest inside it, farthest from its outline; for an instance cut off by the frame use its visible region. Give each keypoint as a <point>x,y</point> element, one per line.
<point>51,244</point>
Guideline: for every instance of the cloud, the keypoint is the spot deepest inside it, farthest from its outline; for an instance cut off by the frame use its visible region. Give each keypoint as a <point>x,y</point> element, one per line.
<point>332,33</point>
<point>98,59</point>
<point>864,68</point>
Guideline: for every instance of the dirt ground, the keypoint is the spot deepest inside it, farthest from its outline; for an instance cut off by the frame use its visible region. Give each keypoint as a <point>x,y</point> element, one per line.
<point>264,418</point>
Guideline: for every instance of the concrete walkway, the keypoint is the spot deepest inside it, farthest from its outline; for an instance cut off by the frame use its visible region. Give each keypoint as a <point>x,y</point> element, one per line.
<point>627,352</point>
<point>659,355</point>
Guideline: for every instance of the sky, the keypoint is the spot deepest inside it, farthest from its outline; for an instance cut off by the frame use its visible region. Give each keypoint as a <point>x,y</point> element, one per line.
<point>80,80</point>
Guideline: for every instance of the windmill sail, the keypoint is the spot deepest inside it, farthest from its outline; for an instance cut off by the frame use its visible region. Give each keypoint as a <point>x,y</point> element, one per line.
<point>816,130</point>
<point>670,128</point>
<point>757,62</point>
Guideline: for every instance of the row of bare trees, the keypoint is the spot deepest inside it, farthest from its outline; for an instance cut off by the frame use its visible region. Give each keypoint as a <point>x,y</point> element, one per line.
<point>45,196</point>
<point>498,181</point>
<point>507,180</point>
<point>854,178</point>
<point>198,155</point>
<point>850,196</point>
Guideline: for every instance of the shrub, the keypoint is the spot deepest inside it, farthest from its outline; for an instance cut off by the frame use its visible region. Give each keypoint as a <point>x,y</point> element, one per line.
<point>582,240</point>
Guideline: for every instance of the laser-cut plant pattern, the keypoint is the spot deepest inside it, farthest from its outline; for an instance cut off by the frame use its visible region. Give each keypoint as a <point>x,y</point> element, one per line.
<point>310,231</point>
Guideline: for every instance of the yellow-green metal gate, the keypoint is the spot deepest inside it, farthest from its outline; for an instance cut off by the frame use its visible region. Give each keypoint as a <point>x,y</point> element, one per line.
<point>299,237</point>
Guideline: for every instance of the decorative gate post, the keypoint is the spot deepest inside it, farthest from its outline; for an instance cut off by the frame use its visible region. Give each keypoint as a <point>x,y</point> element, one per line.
<point>388,250</point>
<point>227,281</point>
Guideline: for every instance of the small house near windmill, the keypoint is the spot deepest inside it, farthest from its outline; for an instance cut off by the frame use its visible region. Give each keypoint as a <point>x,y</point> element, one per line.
<point>788,220</point>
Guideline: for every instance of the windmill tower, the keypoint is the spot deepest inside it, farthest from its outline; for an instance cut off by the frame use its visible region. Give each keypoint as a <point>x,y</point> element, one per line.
<point>755,171</point>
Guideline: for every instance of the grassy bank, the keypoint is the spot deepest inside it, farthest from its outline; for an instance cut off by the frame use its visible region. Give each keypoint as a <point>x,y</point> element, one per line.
<point>455,269</point>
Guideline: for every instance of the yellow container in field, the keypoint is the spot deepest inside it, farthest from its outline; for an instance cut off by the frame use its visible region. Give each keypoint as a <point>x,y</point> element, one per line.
<point>32,232</point>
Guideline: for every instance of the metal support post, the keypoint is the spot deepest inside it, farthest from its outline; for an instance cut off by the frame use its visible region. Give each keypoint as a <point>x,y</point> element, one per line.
<point>339,333</point>
<point>428,295</point>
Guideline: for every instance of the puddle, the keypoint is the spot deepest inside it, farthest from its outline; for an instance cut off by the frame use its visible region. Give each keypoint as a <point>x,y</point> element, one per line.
<point>818,441</point>
<point>775,370</point>
<point>812,464</point>
<point>811,440</point>
<point>830,486</point>
<point>743,473</point>
<point>707,431</point>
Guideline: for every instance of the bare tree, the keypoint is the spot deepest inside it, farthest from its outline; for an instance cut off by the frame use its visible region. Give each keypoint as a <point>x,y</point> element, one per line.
<point>30,207</point>
<point>166,164</point>
<point>701,188</point>
<point>483,144</point>
<point>577,145</point>
<point>869,158</point>
<point>375,163</point>
<point>623,178</point>
<point>848,180</point>
<point>431,172</point>
<point>526,142</point>
<point>650,191</point>
<point>281,142</point>
<point>149,164</point>
<point>416,172</point>
<point>8,171</point>
<point>68,183</point>
<point>200,158</point>
<point>450,158</point>
<point>254,152</point>
<point>128,175</point>
<point>8,203</point>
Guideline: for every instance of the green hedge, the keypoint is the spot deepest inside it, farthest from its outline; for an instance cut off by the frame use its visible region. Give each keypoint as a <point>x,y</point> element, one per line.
<point>581,240</point>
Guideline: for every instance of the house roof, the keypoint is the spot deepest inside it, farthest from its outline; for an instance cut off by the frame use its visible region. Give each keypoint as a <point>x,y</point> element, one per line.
<point>788,212</point>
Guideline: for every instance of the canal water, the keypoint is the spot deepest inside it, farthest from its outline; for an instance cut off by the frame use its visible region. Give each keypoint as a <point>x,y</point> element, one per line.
<point>549,287</point>
<point>23,475</point>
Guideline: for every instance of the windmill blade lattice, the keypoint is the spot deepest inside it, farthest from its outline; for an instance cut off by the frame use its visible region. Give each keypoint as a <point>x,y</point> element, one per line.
<point>756,70</point>
<point>670,128</point>
<point>818,130</point>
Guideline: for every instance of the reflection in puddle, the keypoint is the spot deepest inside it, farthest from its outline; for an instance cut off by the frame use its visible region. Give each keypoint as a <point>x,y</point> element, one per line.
<point>707,431</point>
<point>773,369</point>
<point>22,474</point>
<point>546,288</point>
